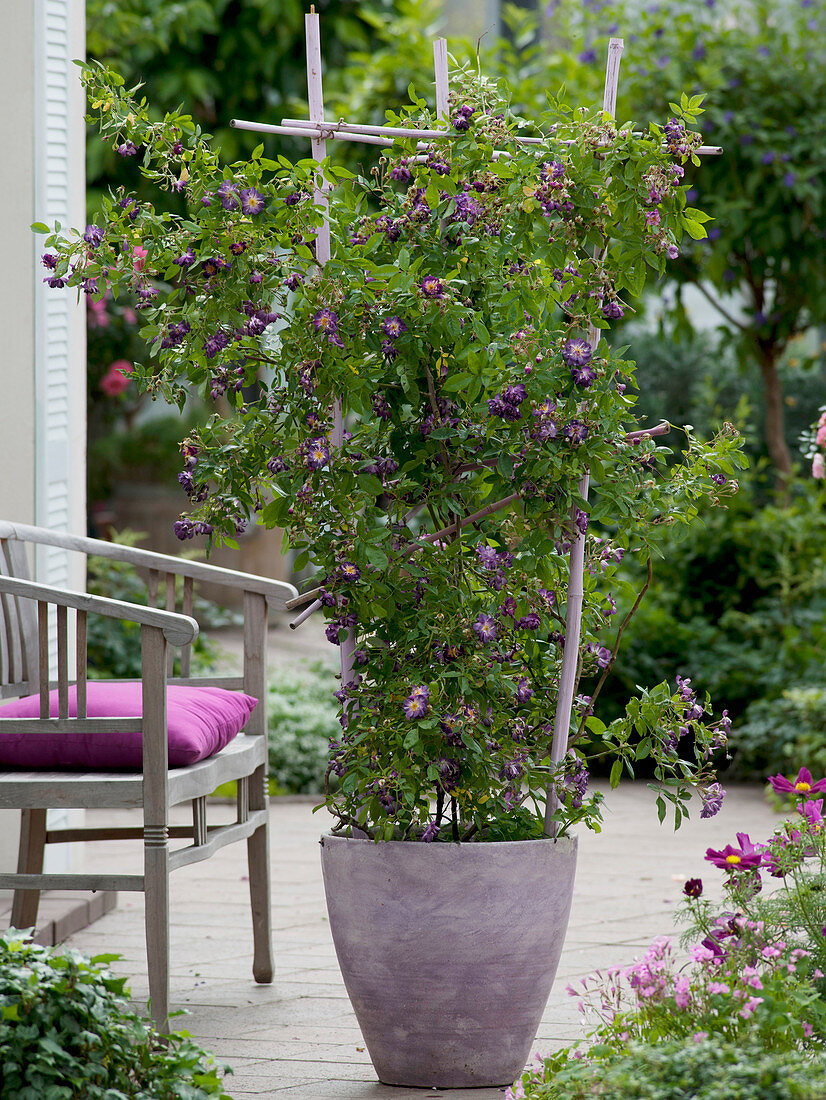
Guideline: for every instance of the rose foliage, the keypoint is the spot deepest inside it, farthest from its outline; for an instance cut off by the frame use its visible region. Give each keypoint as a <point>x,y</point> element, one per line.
<point>451,325</point>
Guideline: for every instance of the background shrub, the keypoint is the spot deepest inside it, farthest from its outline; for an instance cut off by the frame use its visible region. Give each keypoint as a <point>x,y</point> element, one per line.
<point>66,1032</point>
<point>113,647</point>
<point>302,719</point>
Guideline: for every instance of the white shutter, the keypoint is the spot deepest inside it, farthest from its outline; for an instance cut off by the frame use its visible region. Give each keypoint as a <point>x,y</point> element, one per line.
<point>59,340</point>
<point>59,361</point>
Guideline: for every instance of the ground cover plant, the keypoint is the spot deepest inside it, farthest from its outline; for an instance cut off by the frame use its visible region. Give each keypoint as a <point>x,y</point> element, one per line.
<point>66,1032</point>
<point>754,979</point>
<point>676,1070</point>
<point>419,414</point>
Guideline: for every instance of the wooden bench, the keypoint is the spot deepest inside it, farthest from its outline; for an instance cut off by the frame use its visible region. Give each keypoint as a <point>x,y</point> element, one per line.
<point>25,619</point>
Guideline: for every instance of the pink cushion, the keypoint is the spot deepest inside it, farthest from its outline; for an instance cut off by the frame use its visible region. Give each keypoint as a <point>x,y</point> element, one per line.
<point>200,721</point>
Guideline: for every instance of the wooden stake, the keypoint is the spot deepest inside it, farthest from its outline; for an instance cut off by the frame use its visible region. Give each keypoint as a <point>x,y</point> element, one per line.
<point>442,79</point>
<point>315,95</point>
<point>573,607</point>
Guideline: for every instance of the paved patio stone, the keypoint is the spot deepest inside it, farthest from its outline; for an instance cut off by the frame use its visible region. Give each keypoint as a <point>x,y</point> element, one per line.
<point>298,1039</point>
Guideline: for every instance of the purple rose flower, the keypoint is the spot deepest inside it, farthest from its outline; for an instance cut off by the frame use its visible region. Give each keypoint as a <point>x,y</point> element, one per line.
<point>318,454</point>
<point>487,555</point>
<point>612,310</point>
<point>433,287</point>
<point>184,529</point>
<point>252,201</point>
<point>393,327</point>
<point>576,432</point>
<point>485,627</point>
<point>583,376</point>
<point>349,572</point>
<point>524,691</point>
<point>227,194</point>
<point>417,704</point>
<point>93,235</point>
<point>380,407</point>
<point>577,353</point>
<point>186,258</point>
<point>450,773</point>
<point>531,621</point>
<point>712,801</point>
<point>213,264</point>
<point>326,321</point>
<point>401,172</point>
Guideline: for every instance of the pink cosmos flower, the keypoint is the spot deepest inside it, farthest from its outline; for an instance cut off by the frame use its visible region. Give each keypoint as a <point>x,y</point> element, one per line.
<point>819,467</point>
<point>804,784</point>
<point>138,257</point>
<point>813,812</point>
<point>115,380</point>
<point>730,858</point>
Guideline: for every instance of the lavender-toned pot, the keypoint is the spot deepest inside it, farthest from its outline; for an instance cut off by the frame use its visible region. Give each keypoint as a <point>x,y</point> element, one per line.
<point>448,951</point>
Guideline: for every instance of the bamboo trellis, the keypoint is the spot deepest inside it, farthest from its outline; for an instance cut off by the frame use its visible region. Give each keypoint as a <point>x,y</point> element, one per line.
<point>320,131</point>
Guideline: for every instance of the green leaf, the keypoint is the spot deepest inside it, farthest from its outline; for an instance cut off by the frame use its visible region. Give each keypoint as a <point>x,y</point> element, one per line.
<point>695,230</point>
<point>616,773</point>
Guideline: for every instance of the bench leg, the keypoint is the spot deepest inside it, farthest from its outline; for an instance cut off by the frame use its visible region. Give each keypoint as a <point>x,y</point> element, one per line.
<point>29,862</point>
<point>258,859</point>
<point>156,873</point>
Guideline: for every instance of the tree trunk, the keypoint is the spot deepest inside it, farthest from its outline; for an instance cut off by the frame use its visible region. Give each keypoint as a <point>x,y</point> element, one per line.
<point>775,418</point>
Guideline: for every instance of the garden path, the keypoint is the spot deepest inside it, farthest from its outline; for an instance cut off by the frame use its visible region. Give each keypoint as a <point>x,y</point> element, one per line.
<point>298,1038</point>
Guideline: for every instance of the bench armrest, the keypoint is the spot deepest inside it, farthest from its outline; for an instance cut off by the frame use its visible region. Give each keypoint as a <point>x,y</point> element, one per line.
<point>178,629</point>
<point>276,592</point>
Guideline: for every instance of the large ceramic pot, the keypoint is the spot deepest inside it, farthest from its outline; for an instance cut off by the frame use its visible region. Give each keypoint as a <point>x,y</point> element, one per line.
<point>448,951</point>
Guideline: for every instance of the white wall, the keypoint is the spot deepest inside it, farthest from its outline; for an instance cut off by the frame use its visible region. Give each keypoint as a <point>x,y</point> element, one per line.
<point>43,346</point>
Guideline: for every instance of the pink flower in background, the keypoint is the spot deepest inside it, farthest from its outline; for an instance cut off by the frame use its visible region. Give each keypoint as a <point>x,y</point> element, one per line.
<point>138,257</point>
<point>682,994</point>
<point>97,315</point>
<point>819,467</point>
<point>130,316</point>
<point>115,380</point>
<point>822,422</point>
<point>820,438</point>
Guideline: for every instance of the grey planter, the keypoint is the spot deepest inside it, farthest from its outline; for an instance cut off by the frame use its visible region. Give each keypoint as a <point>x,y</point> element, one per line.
<point>448,951</point>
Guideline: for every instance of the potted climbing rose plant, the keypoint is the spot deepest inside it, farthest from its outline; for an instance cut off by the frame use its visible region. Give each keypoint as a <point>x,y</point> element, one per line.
<point>419,414</point>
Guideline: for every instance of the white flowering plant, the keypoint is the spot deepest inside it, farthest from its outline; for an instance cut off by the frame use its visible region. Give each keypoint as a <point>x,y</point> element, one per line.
<point>418,414</point>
